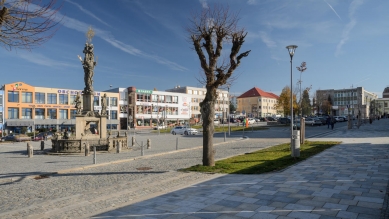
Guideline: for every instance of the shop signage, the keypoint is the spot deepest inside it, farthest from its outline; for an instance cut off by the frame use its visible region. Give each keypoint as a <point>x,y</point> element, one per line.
<point>144,91</point>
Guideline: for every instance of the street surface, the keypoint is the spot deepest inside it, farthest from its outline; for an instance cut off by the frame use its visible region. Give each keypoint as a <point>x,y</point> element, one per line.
<point>347,181</point>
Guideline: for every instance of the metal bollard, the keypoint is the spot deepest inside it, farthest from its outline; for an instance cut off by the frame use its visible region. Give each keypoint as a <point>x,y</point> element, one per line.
<point>148,143</point>
<point>118,146</point>
<point>177,144</point>
<point>133,141</point>
<point>141,149</point>
<point>94,155</point>
<point>30,150</point>
<point>42,145</point>
<point>87,149</point>
<point>224,136</point>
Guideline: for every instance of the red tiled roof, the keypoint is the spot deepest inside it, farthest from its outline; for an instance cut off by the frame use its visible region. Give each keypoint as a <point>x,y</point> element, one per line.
<point>255,92</point>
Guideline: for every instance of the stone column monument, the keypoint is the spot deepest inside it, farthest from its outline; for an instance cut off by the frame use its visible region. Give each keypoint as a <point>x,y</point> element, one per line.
<point>87,115</point>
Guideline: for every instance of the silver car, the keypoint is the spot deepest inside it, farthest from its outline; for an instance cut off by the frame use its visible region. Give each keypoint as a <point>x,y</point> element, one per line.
<point>182,130</point>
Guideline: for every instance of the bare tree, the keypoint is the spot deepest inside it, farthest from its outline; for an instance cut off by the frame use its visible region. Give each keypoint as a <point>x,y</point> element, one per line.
<point>208,31</point>
<point>26,24</point>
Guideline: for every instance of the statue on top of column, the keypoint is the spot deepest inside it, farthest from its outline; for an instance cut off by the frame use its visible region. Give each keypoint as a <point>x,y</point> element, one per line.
<point>88,63</point>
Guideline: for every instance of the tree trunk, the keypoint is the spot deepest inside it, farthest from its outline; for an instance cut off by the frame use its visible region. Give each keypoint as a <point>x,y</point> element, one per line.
<point>208,114</point>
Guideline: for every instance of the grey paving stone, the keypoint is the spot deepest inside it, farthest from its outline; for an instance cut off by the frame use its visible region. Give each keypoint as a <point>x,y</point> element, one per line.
<point>335,206</point>
<point>369,199</point>
<point>303,215</point>
<point>346,214</point>
<point>364,210</point>
<point>264,216</point>
<point>245,214</point>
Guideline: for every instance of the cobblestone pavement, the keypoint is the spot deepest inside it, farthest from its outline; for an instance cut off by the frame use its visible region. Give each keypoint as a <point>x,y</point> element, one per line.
<point>346,181</point>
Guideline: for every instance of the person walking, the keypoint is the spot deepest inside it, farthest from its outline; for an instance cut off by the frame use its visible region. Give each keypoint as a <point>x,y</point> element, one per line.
<point>332,122</point>
<point>328,122</point>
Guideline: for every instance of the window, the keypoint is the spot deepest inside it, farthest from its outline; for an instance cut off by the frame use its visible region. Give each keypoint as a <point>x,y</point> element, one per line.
<point>147,97</point>
<point>13,96</point>
<point>13,113</point>
<point>139,97</point>
<point>114,101</point>
<point>189,91</point>
<point>1,100</point>
<point>26,97</point>
<point>385,104</point>
<point>161,98</point>
<point>52,113</point>
<point>195,92</point>
<point>168,99</point>
<point>114,114</point>
<point>95,100</point>
<point>39,113</point>
<point>63,114</point>
<point>73,113</point>
<point>26,113</point>
<point>72,99</point>
<point>40,97</point>
<point>51,98</point>
<point>63,99</point>
<point>154,98</point>
<point>175,99</point>
<point>123,95</point>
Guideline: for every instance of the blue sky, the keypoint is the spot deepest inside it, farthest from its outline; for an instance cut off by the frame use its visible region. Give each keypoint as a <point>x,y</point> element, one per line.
<point>143,43</point>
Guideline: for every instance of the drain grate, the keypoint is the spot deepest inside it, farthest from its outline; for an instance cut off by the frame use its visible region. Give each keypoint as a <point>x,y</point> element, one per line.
<point>144,168</point>
<point>41,177</point>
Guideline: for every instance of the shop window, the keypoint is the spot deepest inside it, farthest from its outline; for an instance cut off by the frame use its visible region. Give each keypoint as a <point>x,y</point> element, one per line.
<point>51,98</point>
<point>13,96</point>
<point>13,113</point>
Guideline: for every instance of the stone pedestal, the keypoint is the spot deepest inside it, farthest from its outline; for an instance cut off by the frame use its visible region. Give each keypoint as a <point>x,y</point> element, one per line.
<point>87,102</point>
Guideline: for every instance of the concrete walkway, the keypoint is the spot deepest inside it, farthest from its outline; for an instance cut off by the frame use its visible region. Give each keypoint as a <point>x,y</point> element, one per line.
<point>347,181</point>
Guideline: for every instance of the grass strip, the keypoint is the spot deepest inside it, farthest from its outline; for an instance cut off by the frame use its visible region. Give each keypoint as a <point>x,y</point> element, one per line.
<point>271,159</point>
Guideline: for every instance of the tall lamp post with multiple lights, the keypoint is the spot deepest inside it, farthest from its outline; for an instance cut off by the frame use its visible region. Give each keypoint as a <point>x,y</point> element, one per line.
<point>295,147</point>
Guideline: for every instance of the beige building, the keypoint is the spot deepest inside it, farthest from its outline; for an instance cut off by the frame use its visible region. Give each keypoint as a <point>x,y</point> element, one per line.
<point>257,103</point>
<point>198,95</point>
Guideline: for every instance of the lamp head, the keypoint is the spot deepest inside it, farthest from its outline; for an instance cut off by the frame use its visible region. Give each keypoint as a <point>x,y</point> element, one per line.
<point>291,49</point>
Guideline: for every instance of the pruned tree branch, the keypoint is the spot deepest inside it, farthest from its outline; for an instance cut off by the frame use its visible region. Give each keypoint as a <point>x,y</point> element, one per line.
<point>27,23</point>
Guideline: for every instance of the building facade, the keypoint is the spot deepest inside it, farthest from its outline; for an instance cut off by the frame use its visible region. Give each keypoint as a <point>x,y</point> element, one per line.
<point>197,95</point>
<point>257,103</point>
<point>26,106</point>
<point>342,102</point>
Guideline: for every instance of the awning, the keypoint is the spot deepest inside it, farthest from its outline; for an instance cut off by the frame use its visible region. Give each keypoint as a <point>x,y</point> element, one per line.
<point>19,123</point>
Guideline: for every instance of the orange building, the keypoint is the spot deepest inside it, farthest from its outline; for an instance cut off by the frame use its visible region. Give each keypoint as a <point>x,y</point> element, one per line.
<point>50,108</point>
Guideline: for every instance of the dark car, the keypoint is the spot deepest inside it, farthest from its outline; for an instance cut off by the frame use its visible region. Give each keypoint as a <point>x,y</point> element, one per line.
<point>8,138</point>
<point>284,120</point>
<point>233,120</point>
<point>270,119</point>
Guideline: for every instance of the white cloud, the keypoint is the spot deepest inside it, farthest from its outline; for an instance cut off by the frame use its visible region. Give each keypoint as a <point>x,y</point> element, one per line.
<point>252,2</point>
<point>87,12</point>
<point>43,60</point>
<point>107,36</point>
<point>267,40</point>
<point>332,9</point>
<point>346,31</point>
<point>204,3</point>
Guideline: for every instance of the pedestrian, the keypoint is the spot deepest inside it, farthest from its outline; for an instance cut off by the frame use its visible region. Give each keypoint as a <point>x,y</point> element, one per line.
<point>328,122</point>
<point>244,122</point>
<point>332,122</point>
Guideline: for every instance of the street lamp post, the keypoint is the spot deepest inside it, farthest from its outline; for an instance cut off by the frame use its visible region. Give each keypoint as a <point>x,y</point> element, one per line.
<point>291,49</point>
<point>228,112</point>
<point>33,116</point>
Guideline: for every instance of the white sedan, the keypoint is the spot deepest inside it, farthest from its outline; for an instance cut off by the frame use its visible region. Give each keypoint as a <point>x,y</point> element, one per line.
<point>182,130</point>
<point>251,121</point>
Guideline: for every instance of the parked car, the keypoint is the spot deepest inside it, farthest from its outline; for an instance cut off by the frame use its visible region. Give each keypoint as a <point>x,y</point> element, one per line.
<point>38,137</point>
<point>233,120</point>
<point>8,138</point>
<point>339,118</point>
<point>323,120</point>
<point>182,130</point>
<point>284,120</point>
<point>159,127</point>
<point>345,118</point>
<point>270,119</point>
<point>310,121</point>
<point>251,120</point>
<point>296,125</point>
<point>216,122</point>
